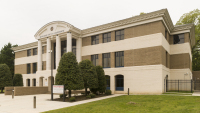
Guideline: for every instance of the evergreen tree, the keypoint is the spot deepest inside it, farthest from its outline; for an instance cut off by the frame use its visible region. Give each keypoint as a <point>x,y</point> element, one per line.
<point>89,74</point>
<point>68,73</point>
<point>5,76</point>
<point>101,80</point>
<point>7,57</point>
<point>17,80</point>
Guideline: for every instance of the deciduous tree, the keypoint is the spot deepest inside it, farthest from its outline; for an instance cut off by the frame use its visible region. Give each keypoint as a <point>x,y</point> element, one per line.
<point>193,17</point>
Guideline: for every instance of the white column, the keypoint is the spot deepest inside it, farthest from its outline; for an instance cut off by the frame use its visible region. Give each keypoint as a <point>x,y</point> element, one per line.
<point>69,42</point>
<point>58,51</point>
<point>48,62</point>
<point>78,49</point>
<point>112,83</point>
<point>39,63</point>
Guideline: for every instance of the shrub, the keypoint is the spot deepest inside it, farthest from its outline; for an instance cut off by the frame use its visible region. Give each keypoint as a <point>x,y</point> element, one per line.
<point>61,95</point>
<point>108,92</point>
<point>92,95</point>
<point>88,97</point>
<point>72,99</point>
<point>17,80</point>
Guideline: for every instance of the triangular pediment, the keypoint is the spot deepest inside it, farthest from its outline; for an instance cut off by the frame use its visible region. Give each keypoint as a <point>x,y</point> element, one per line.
<point>53,28</point>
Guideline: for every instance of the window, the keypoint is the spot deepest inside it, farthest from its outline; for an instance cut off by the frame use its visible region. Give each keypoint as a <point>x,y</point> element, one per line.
<point>119,81</point>
<point>43,49</point>
<point>34,82</point>
<point>178,39</point>
<point>28,68</point>
<point>35,51</point>
<point>106,37</point>
<point>166,35</point>
<point>119,59</point>
<point>106,60</point>
<point>43,65</point>
<point>63,47</point>
<point>34,67</point>
<point>95,39</point>
<point>107,82</point>
<point>29,52</point>
<point>119,35</point>
<point>74,46</point>
<point>28,82</point>
<point>94,59</point>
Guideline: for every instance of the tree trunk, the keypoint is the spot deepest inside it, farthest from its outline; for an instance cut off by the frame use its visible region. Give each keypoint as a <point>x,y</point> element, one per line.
<point>85,91</point>
<point>1,90</point>
<point>69,93</point>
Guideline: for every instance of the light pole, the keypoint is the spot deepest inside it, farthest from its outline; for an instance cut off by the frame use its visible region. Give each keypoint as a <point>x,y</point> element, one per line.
<point>51,52</point>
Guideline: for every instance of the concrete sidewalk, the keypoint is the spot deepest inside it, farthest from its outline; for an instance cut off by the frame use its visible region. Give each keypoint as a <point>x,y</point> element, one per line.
<point>196,94</point>
<point>24,104</point>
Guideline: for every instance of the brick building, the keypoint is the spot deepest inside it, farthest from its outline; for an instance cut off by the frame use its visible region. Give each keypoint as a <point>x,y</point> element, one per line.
<point>136,53</point>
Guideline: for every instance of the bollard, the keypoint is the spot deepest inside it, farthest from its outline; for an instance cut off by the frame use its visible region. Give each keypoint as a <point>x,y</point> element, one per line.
<point>128,91</point>
<point>12,94</point>
<point>34,102</point>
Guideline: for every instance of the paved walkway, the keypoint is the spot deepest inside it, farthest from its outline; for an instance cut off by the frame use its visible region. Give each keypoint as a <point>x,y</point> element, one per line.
<point>196,94</point>
<point>24,104</point>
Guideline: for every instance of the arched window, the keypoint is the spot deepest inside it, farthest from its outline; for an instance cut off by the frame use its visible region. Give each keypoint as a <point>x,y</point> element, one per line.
<point>119,83</point>
<point>107,82</point>
<point>34,82</point>
<point>28,82</point>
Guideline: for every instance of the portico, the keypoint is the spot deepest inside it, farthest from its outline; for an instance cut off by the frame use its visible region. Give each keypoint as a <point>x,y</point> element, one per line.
<point>59,37</point>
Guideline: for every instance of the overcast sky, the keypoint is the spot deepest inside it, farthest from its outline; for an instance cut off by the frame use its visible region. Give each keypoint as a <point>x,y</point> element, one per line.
<point>20,19</point>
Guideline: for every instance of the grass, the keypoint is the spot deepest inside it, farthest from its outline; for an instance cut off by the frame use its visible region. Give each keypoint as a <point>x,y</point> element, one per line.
<point>138,104</point>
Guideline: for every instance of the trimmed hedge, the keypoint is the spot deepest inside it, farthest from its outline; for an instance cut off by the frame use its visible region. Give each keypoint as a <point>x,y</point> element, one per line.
<point>92,95</point>
<point>72,99</point>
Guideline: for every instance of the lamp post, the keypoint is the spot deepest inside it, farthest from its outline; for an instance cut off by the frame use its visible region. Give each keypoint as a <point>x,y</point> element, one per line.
<point>51,52</point>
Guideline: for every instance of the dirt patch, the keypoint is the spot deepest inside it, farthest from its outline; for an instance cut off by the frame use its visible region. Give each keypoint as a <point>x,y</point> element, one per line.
<point>79,98</point>
<point>132,103</point>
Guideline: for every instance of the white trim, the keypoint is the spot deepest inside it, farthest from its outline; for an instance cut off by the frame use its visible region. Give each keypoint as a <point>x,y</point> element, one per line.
<point>152,40</point>
<point>179,32</point>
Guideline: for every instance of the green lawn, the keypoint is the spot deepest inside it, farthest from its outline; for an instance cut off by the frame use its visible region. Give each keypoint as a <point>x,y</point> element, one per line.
<point>143,104</point>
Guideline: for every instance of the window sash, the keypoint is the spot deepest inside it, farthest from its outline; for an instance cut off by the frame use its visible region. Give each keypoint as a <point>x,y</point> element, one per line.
<point>95,39</point>
<point>119,35</point>
<point>106,37</point>
<point>94,59</point>
<point>35,51</point>
<point>119,59</point>
<point>106,60</point>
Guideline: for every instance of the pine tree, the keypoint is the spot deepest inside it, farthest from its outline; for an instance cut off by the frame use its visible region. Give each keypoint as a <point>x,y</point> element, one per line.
<point>68,73</point>
<point>89,74</point>
<point>5,76</point>
<point>17,80</point>
<point>101,80</point>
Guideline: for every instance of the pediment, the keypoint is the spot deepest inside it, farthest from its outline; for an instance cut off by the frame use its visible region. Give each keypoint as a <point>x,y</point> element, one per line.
<point>53,28</point>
